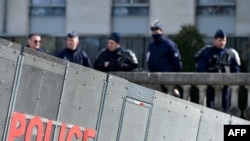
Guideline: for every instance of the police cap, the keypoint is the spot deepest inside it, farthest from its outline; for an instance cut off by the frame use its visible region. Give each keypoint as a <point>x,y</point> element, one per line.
<point>219,34</point>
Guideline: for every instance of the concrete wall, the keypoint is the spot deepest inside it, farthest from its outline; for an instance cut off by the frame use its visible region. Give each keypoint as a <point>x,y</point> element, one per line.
<point>18,19</point>
<point>242,18</point>
<point>88,16</point>
<point>173,13</point>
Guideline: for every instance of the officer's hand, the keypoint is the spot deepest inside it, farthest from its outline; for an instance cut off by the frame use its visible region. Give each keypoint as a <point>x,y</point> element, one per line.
<point>106,64</point>
<point>123,65</point>
<point>176,92</point>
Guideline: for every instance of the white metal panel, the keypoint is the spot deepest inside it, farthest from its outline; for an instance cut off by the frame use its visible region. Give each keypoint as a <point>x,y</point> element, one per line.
<point>112,109</point>
<point>134,122</point>
<point>212,125</point>
<point>173,119</point>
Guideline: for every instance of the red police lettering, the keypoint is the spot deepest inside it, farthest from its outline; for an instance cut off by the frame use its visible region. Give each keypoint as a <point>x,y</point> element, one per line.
<point>35,121</point>
<point>18,125</point>
<point>17,118</point>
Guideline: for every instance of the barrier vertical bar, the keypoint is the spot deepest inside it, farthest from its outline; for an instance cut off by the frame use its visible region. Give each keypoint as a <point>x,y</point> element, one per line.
<point>14,93</point>
<point>105,87</point>
<point>121,119</point>
<point>148,123</point>
<point>65,76</point>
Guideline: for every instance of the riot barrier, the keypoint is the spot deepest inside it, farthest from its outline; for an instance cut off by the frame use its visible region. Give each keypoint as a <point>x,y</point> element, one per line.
<point>46,98</point>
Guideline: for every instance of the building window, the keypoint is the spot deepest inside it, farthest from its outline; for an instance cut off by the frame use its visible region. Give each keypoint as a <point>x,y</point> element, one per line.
<point>130,7</point>
<point>47,7</point>
<point>216,7</point>
<point>47,16</point>
<point>221,13</point>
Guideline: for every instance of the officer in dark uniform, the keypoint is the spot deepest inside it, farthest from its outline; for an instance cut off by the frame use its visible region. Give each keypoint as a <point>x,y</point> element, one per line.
<point>218,59</point>
<point>73,53</point>
<point>163,54</point>
<point>115,58</point>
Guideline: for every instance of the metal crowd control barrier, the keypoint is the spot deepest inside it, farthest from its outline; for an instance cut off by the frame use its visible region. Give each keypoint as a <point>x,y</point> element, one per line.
<point>46,98</point>
<point>9,53</point>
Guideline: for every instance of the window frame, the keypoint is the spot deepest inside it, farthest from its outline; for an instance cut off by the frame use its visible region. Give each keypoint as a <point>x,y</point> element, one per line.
<point>219,4</point>
<point>128,6</point>
<point>130,2</point>
<point>47,6</point>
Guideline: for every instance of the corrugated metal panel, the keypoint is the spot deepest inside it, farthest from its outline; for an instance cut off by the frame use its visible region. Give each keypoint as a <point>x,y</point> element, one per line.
<point>39,54</point>
<point>140,93</point>
<point>134,121</point>
<point>8,64</point>
<point>82,95</point>
<point>113,108</point>
<point>40,87</point>
<point>212,125</point>
<point>172,118</point>
<point>7,44</point>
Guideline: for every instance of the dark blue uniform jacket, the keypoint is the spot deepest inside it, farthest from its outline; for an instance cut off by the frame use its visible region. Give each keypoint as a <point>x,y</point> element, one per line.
<point>212,59</point>
<point>119,60</point>
<point>77,56</point>
<point>164,56</point>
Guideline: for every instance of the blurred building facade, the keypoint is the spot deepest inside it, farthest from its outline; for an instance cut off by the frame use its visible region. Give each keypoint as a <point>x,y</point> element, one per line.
<point>129,17</point>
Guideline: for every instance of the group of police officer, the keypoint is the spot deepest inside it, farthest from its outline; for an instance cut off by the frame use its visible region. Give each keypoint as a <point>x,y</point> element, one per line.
<point>163,55</point>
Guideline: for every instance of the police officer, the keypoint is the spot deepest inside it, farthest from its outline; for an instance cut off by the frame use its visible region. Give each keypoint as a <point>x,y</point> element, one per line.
<point>218,59</point>
<point>73,53</point>
<point>163,54</point>
<point>114,57</point>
